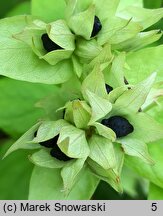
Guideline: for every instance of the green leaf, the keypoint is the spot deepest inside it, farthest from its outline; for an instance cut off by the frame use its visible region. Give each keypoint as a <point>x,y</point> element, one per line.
<point>154,99</point>
<point>116,93</point>
<point>146,17</point>
<point>106,175</point>
<point>49,129</point>
<point>22,142</point>
<point>76,6</point>
<point>100,107</point>
<point>78,113</point>
<point>116,74</point>
<point>117,30</point>
<point>155,192</point>
<point>95,83</point>
<point>72,142</point>
<point>152,4</point>
<point>156,111</point>
<point>139,41</point>
<point>70,174</point>
<point>32,37</point>
<point>87,50</point>
<point>135,97</point>
<point>60,33</point>
<point>105,131</point>
<point>49,12</point>
<point>17,105</point>
<point>130,179</point>
<point>102,152</point>
<point>74,91</point>
<point>15,174</point>
<point>119,153</point>
<point>106,8</point>
<point>139,69</point>
<point>136,148</point>
<point>46,184</point>
<point>146,128</point>
<point>26,65</point>
<point>57,56</point>
<point>152,173</point>
<point>21,8</point>
<point>51,108</point>
<point>123,4</point>
<point>77,66</point>
<point>43,158</point>
<point>81,28</point>
<point>81,114</point>
<point>104,58</point>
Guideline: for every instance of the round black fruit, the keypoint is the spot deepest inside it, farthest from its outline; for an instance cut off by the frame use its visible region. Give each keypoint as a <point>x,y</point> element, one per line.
<point>119,125</point>
<point>96,27</point>
<point>48,44</point>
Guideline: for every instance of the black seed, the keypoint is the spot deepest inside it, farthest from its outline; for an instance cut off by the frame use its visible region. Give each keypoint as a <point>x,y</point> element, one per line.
<point>55,151</point>
<point>119,125</point>
<point>140,110</point>
<point>50,143</point>
<point>48,44</point>
<point>64,111</point>
<point>108,88</point>
<point>96,27</point>
<point>3,135</point>
<point>58,154</point>
<point>35,134</point>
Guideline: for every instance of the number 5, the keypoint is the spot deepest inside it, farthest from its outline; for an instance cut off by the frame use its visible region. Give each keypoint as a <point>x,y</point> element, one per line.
<point>154,207</point>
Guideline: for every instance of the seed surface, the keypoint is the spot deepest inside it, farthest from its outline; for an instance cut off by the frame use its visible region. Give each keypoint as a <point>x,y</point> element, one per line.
<point>55,151</point>
<point>48,44</point>
<point>119,125</point>
<point>96,27</point>
<point>50,143</point>
<point>58,154</point>
<point>108,88</point>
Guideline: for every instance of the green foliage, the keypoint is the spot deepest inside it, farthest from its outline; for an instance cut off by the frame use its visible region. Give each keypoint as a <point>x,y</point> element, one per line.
<point>152,173</point>
<point>22,8</point>
<point>155,192</point>
<point>50,183</point>
<point>17,105</point>
<point>139,69</point>
<point>152,4</point>
<point>48,12</point>
<point>76,110</point>
<point>15,174</point>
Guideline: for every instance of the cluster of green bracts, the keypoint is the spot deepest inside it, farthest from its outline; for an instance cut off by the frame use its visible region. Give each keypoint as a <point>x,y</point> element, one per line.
<point>96,117</point>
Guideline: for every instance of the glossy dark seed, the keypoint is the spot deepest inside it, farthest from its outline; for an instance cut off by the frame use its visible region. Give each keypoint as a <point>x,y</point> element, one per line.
<point>96,27</point>
<point>64,111</point>
<point>50,143</point>
<point>55,151</point>
<point>48,44</point>
<point>35,134</point>
<point>108,88</point>
<point>119,125</point>
<point>58,154</point>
